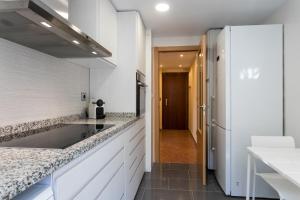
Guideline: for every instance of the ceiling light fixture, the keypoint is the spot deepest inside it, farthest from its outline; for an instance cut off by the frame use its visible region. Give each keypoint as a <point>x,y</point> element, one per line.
<point>180,66</point>
<point>181,55</point>
<point>162,7</point>
<point>161,65</point>
<point>46,24</point>
<point>76,42</point>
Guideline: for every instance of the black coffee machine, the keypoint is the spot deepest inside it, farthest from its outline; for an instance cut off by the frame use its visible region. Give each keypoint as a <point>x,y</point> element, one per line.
<point>100,109</point>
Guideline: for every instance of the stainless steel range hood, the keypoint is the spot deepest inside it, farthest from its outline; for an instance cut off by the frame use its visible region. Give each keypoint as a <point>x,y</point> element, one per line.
<point>33,24</point>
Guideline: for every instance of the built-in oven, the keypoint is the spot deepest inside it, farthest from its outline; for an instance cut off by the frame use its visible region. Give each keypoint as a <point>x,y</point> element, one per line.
<point>140,93</point>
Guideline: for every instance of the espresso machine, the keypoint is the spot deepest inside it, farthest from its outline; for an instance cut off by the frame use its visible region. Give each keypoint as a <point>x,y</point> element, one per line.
<point>96,109</point>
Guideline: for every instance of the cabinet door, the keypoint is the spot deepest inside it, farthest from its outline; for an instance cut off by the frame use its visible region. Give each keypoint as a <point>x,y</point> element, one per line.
<point>110,178</point>
<point>108,29</point>
<point>60,7</point>
<point>91,174</point>
<point>99,20</point>
<point>84,16</point>
<point>141,44</point>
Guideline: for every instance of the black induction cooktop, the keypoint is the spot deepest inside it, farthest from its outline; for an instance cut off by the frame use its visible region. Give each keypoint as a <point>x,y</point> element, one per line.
<point>57,137</point>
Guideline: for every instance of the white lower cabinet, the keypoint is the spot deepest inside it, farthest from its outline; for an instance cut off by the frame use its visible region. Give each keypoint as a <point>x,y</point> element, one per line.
<point>113,171</point>
<point>135,158</point>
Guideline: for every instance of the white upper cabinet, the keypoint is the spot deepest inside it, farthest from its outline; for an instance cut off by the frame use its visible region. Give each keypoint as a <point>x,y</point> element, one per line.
<point>99,20</point>
<point>132,40</point>
<point>84,15</point>
<point>59,6</point>
<point>108,28</point>
<point>141,42</point>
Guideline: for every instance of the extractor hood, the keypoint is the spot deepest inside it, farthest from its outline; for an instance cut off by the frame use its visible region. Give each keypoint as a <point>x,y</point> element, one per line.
<point>33,24</point>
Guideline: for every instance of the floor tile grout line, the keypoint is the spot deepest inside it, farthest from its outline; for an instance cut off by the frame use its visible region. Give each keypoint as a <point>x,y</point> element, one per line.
<point>143,193</point>
<point>191,185</point>
<point>189,174</point>
<point>173,189</point>
<point>193,198</point>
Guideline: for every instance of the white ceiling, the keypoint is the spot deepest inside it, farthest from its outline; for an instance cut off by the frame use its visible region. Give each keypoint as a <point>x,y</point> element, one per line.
<point>194,17</point>
<point>173,59</point>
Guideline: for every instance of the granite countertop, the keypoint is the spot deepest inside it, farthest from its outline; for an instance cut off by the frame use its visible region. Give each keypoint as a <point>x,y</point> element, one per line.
<point>21,168</point>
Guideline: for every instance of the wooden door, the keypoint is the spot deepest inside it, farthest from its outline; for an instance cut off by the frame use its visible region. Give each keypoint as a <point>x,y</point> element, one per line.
<point>201,98</point>
<point>175,101</point>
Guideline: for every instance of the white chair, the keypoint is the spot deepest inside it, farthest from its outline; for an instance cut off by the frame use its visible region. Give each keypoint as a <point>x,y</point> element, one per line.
<point>285,189</point>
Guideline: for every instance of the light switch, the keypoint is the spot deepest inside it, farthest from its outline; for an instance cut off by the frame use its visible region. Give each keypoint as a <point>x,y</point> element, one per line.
<point>83,96</point>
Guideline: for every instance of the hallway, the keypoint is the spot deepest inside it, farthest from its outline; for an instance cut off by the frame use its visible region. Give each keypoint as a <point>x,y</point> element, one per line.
<point>177,146</point>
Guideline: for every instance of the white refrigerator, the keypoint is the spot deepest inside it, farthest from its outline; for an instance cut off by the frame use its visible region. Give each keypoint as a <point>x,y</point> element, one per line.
<point>212,37</point>
<point>249,100</point>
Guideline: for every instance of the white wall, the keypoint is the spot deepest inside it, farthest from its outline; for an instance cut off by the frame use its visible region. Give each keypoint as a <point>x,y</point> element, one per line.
<point>37,86</point>
<point>116,90</point>
<point>289,15</point>
<point>176,41</point>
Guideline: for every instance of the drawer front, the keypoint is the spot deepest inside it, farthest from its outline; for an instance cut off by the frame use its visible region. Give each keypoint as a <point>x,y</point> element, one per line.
<point>132,131</point>
<point>116,188</point>
<point>105,181</point>
<point>133,185</point>
<point>124,197</point>
<point>71,182</point>
<point>135,160</point>
<point>36,192</point>
<point>135,141</point>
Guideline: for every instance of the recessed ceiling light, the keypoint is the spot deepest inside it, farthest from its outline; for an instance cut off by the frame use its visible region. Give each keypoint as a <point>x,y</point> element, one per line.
<point>46,24</point>
<point>181,55</point>
<point>94,52</point>
<point>180,66</point>
<point>75,42</point>
<point>162,7</point>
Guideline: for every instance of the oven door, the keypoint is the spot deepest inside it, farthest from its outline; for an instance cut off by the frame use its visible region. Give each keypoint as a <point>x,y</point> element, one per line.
<point>140,98</point>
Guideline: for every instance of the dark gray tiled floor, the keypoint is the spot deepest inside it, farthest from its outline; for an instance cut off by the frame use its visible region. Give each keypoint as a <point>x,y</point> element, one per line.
<point>178,182</point>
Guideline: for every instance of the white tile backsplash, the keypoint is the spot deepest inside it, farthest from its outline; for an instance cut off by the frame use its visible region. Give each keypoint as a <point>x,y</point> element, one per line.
<point>36,86</point>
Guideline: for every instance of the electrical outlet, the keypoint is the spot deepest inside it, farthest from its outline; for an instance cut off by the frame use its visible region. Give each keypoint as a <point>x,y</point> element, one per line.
<point>83,96</point>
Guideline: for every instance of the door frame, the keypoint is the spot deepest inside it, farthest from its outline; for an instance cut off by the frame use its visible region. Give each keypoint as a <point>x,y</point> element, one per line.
<point>202,109</point>
<point>156,96</point>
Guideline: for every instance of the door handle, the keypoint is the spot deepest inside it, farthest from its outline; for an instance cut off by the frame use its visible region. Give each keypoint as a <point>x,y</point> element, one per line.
<point>166,102</point>
<point>203,107</point>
